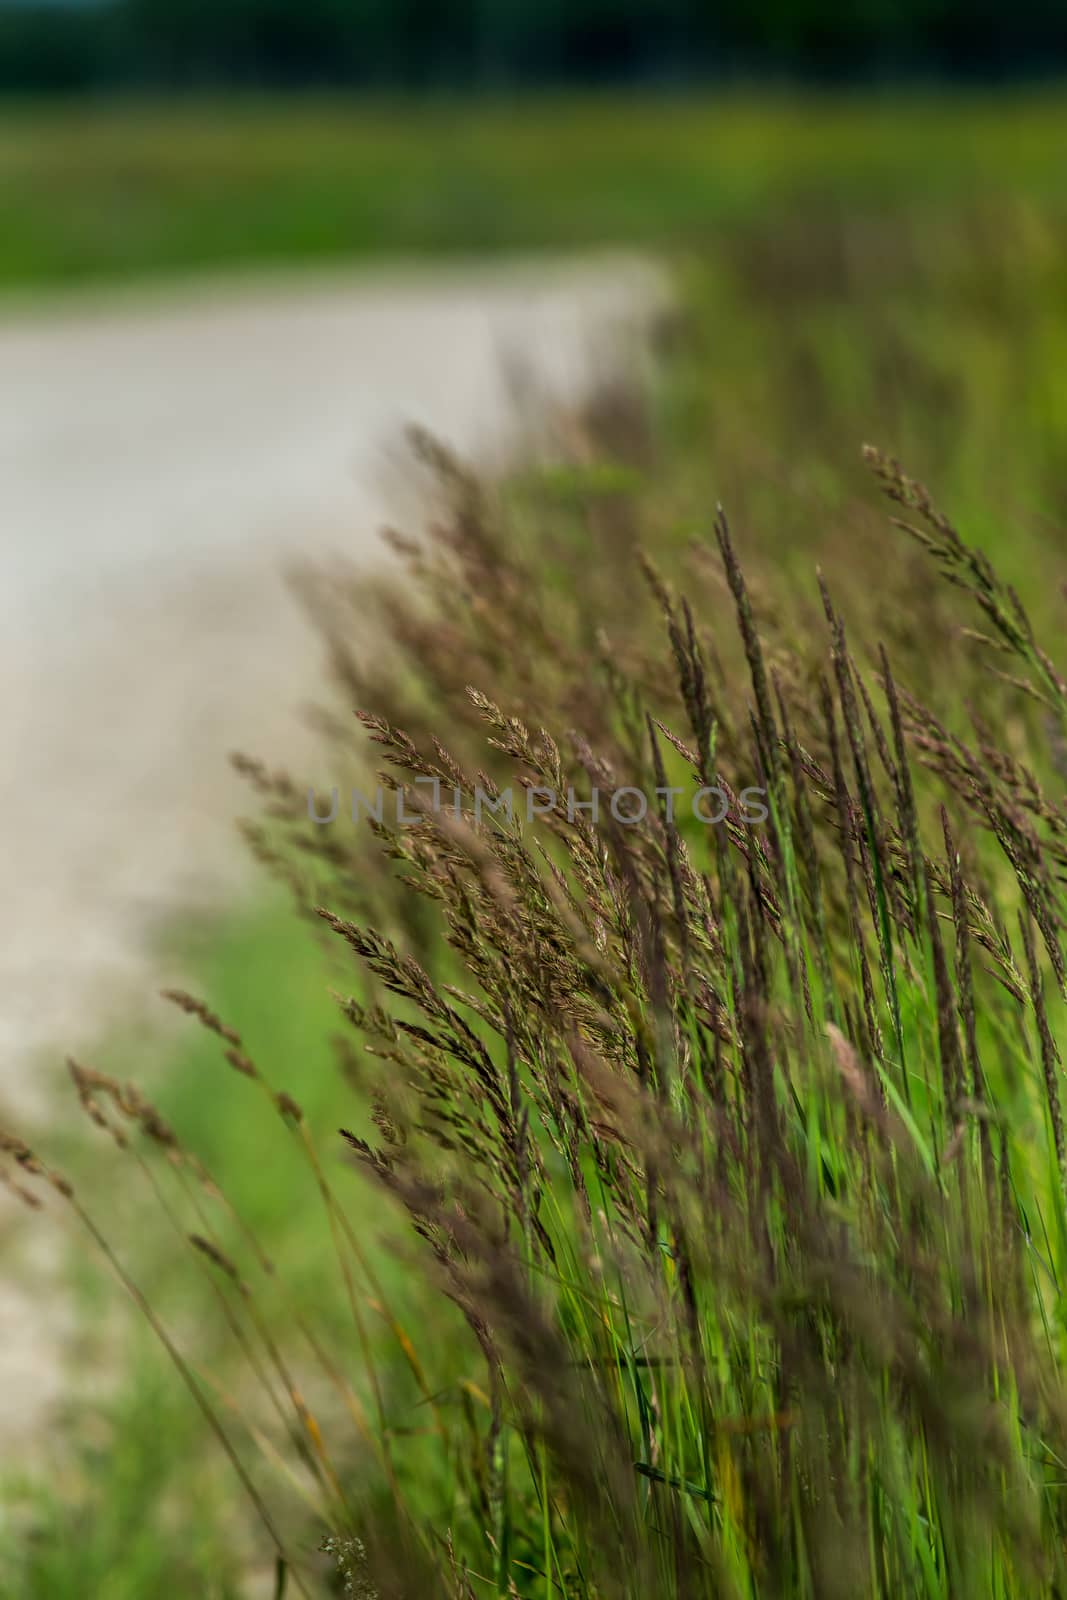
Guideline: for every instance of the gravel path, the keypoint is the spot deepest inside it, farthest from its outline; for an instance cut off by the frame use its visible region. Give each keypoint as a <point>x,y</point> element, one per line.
<point>159,460</point>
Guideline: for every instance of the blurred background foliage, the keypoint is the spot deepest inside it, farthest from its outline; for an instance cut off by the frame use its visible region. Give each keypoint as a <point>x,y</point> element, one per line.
<point>465,44</point>
<point>113,187</point>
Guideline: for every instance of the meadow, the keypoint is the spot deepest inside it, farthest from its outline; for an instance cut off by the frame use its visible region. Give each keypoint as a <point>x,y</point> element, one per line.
<point>94,192</point>
<point>736,1163</point>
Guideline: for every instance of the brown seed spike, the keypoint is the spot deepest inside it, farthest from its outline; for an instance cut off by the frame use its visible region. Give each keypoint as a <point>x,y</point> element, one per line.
<point>26,1196</point>
<point>219,1258</point>
<point>196,1008</point>
<point>753,651</point>
<point>288,1107</point>
<point>242,1063</point>
<point>1050,1056</point>
<point>948,1037</point>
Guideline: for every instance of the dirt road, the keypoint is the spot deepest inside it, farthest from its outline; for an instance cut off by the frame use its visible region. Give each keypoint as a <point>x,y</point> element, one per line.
<point>159,460</point>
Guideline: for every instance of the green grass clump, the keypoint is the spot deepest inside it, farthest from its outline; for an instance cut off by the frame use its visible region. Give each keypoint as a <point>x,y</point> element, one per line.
<point>725,1165</point>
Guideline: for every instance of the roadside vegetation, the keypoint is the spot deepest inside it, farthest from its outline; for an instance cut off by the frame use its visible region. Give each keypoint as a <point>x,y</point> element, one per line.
<point>699,1220</point>
<point>94,191</point>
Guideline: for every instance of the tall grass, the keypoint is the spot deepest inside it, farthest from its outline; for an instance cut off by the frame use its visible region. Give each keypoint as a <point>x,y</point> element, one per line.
<point>733,1155</point>
<point>700,1219</point>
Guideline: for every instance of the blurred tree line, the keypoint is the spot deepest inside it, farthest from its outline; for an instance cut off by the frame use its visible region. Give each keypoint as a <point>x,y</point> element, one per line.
<point>88,44</point>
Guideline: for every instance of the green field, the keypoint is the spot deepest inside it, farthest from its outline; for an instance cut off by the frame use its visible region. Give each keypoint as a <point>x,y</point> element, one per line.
<point>888,271</point>
<point>89,193</point>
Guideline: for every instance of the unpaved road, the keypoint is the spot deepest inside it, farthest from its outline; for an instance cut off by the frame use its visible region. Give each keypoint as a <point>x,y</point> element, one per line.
<point>159,461</point>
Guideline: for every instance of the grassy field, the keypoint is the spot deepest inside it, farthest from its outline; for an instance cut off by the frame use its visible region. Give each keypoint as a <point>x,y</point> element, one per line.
<point>91,193</point>
<point>892,272</point>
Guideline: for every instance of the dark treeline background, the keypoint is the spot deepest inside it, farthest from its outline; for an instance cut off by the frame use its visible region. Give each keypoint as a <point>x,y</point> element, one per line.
<point>63,45</point>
